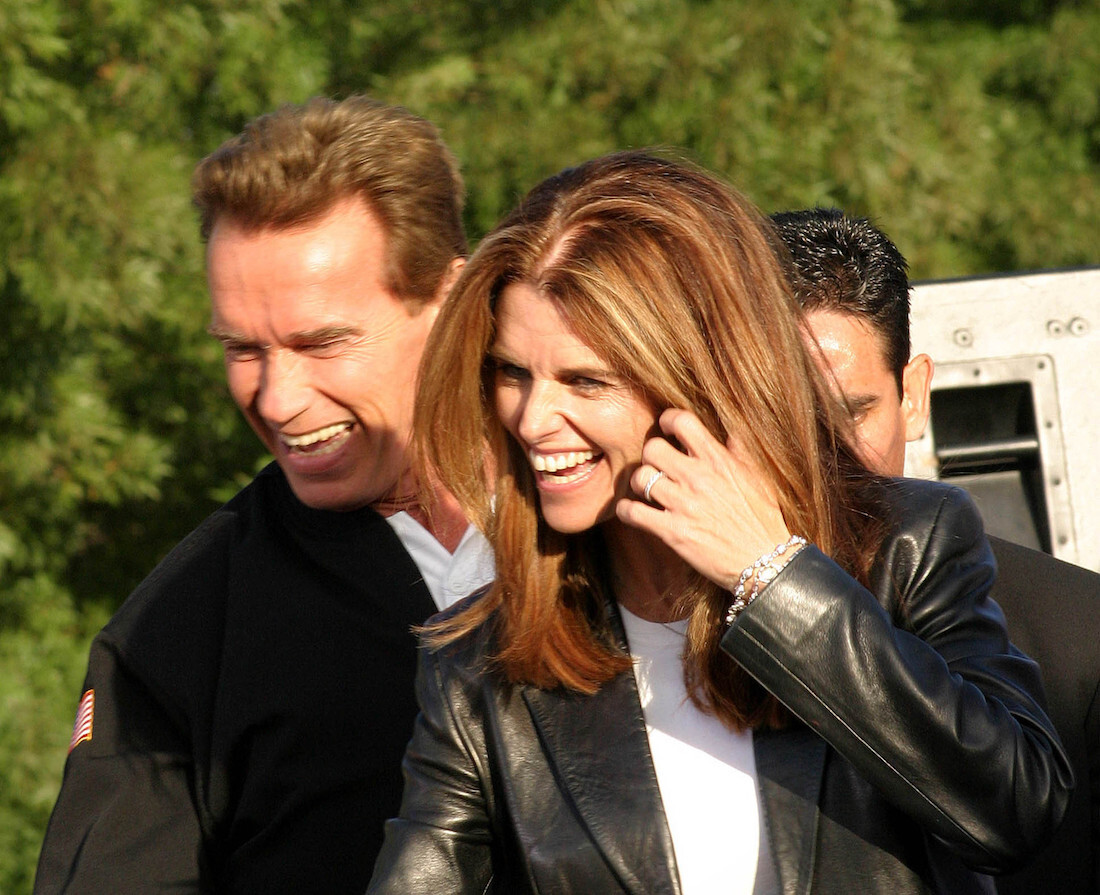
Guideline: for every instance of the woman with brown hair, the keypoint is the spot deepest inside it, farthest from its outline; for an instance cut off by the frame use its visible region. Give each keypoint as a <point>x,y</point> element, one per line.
<point>719,653</point>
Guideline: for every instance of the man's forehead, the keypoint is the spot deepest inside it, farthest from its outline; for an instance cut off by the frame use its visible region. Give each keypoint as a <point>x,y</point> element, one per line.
<point>850,338</point>
<point>341,209</point>
<point>854,353</point>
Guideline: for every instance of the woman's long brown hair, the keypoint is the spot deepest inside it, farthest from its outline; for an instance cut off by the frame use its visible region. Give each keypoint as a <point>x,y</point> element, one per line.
<point>674,280</point>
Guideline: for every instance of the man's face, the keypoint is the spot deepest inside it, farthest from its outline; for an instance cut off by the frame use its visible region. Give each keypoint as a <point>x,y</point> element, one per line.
<point>856,366</point>
<point>320,356</point>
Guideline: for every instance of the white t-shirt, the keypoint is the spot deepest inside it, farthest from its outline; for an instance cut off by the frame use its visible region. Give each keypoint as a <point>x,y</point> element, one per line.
<point>448,576</point>
<point>706,773</point>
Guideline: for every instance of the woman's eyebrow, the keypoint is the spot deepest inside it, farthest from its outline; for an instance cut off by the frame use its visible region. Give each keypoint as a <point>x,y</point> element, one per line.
<point>499,354</point>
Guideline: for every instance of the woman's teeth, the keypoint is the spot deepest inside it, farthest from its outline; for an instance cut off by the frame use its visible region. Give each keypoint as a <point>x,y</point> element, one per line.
<point>562,466</point>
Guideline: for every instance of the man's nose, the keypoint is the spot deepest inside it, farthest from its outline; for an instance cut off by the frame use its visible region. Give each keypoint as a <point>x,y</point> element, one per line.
<point>285,389</point>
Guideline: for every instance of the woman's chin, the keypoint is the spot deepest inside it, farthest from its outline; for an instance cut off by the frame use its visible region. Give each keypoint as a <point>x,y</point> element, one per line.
<point>571,521</point>
<point>569,526</point>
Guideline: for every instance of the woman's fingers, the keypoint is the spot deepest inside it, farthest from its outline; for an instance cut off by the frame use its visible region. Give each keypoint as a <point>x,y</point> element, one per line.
<point>701,499</point>
<point>644,480</point>
<point>688,430</point>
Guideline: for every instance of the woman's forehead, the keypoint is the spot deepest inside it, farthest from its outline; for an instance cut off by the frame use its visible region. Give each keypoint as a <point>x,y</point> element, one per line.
<point>531,324</point>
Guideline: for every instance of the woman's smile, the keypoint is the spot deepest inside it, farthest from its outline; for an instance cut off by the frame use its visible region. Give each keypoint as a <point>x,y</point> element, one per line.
<point>553,470</point>
<point>580,424</point>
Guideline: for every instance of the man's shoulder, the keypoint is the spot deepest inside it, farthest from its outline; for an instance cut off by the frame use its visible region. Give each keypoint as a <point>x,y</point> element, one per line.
<point>1018,559</point>
<point>1034,584</point>
<point>193,575</point>
<point>1051,608</point>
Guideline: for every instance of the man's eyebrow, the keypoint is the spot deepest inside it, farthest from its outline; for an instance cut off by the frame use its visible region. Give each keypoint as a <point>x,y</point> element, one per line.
<point>860,402</point>
<point>323,334</point>
<point>224,335</point>
<point>309,337</point>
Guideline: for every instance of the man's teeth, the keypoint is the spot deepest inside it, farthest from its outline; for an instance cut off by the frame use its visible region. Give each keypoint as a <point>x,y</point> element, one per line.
<point>559,462</point>
<point>301,441</point>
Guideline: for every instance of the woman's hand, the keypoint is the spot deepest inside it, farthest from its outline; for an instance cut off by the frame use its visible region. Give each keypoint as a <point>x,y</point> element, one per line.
<point>709,503</point>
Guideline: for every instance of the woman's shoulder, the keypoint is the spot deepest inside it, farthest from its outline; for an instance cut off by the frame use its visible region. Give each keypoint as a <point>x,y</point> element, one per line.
<point>926,504</point>
<point>450,641</point>
<point>459,677</point>
<point>460,606</point>
<point>936,531</point>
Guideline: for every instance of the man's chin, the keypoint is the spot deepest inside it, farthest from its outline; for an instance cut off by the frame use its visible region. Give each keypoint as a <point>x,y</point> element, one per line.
<point>335,492</point>
<point>331,499</point>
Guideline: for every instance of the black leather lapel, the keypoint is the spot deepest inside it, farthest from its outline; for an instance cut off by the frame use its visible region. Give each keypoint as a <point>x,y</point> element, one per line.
<point>599,750</point>
<point>790,766</point>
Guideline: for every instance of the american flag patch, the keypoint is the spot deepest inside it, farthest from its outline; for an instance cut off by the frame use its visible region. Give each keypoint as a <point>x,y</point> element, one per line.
<point>82,729</point>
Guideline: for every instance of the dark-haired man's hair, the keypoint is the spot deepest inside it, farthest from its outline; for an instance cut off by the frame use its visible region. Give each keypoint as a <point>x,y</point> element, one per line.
<point>846,264</point>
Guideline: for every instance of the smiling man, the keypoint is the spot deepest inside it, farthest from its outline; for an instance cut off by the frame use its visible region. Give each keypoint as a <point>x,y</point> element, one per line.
<point>245,712</point>
<point>853,284</point>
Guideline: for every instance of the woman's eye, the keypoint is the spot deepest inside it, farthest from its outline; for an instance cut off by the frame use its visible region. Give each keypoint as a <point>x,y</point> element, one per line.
<point>510,371</point>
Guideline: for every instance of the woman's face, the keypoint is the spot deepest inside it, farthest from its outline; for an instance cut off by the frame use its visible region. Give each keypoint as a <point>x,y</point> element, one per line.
<point>580,425</point>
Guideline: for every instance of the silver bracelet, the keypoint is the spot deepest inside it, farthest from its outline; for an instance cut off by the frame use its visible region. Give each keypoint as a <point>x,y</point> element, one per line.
<point>761,572</point>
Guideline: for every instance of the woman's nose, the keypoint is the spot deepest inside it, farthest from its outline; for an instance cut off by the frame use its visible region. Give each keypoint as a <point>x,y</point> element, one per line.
<point>540,415</point>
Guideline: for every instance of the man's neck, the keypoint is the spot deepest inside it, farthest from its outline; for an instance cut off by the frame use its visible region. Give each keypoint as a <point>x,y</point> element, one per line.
<point>443,520</point>
<point>433,507</point>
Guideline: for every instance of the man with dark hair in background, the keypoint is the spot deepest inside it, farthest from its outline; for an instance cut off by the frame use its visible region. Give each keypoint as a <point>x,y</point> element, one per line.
<point>852,282</point>
<point>245,711</point>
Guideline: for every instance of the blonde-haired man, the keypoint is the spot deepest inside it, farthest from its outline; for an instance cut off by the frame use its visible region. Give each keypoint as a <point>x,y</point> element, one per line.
<point>245,712</point>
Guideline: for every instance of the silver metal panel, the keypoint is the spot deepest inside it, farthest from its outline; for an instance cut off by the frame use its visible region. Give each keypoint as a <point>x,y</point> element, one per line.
<point>981,330</point>
<point>1039,373</point>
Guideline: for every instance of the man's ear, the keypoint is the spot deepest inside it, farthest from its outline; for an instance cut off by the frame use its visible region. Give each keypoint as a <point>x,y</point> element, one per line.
<point>446,282</point>
<point>449,278</point>
<point>916,389</point>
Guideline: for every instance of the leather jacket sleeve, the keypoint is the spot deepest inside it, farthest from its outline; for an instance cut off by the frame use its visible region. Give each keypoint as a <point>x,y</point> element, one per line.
<point>916,684</point>
<point>442,842</point>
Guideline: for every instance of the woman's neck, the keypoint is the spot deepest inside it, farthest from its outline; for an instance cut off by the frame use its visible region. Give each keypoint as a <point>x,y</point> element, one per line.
<point>648,575</point>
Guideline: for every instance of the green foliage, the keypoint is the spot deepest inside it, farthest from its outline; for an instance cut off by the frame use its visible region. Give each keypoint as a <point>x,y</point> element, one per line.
<point>943,130</point>
<point>970,131</point>
<point>115,433</point>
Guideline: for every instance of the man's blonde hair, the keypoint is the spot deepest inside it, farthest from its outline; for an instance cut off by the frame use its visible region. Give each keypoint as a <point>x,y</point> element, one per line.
<point>290,167</point>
